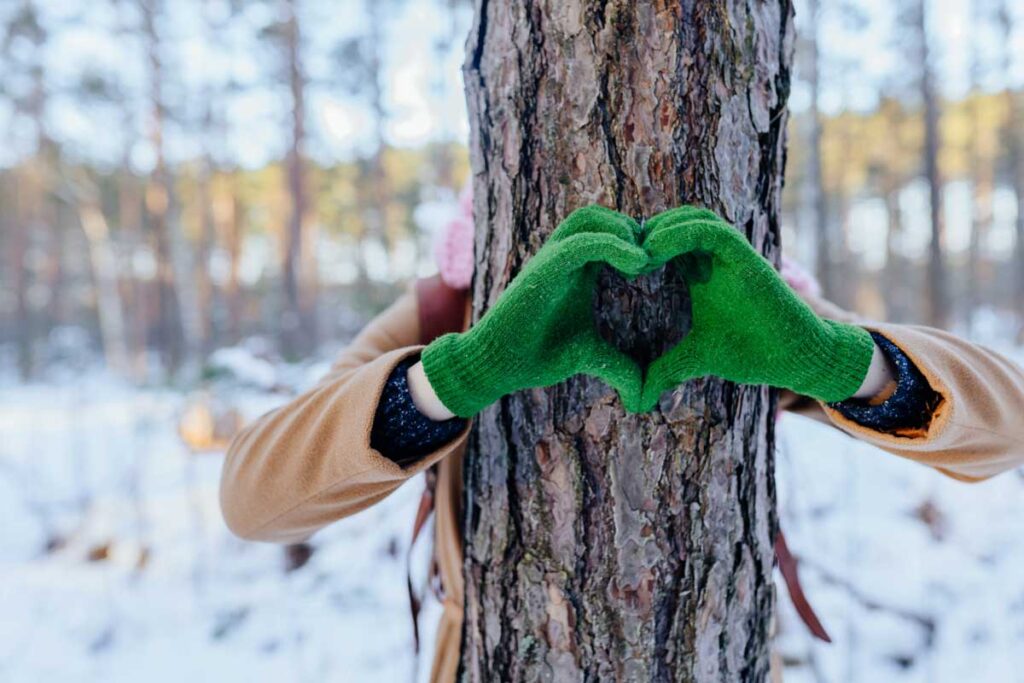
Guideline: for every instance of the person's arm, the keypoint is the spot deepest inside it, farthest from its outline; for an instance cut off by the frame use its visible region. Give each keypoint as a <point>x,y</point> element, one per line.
<point>362,431</point>
<point>955,406</point>
<point>312,461</point>
<point>962,406</point>
<point>951,404</point>
<point>881,366</point>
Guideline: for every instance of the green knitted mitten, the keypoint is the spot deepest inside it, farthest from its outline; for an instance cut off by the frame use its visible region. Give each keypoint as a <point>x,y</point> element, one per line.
<point>748,326</point>
<point>541,330</point>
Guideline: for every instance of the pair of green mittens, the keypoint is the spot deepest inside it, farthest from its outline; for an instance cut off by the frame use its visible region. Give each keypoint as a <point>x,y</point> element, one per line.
<point>748,326</point>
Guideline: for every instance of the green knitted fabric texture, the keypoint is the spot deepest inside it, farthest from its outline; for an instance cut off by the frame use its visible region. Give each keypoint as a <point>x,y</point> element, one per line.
<point>748,326</point>
<point>541,330</point>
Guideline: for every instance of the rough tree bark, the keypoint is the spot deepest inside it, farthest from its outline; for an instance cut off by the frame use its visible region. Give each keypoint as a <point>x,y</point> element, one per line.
<point>602,545</point>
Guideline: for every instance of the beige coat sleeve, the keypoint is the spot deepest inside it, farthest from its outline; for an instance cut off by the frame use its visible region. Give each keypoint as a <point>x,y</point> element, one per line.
<point>309,463</point>
<point>977,429</point>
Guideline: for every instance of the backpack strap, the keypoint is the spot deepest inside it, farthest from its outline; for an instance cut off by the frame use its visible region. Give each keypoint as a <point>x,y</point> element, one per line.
<point>423,511</point>
<point>441,309</point>
<point>788,568</point>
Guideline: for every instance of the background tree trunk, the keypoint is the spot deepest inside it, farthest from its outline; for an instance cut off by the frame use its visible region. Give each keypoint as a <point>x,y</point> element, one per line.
<point>815,173</point>
<point>233,232</point>
<point>21,240</point>
<point>103,262</point>
<point>983,148</point>
<point>1014,135</point>
<point>299,278</point>
<point>170,332</point>
<point>601,545</point>
<point>938,313</point>
<point>896,272</point>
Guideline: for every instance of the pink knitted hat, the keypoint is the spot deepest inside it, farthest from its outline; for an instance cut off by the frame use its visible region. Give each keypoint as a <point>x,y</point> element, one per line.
<point>799,278</point>
<point>453,249</point>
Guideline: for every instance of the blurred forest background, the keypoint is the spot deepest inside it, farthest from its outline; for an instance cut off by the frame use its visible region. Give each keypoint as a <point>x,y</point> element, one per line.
<point>201,200</point>
<point>176,177</point>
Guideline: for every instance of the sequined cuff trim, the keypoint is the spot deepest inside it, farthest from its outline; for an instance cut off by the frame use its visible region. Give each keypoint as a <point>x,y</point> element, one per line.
<point>402,433</point>
<point>910,406</point>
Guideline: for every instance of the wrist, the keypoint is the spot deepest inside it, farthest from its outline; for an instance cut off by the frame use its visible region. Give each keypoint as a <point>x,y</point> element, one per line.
<point>879,380</point>
<point>424,397</point>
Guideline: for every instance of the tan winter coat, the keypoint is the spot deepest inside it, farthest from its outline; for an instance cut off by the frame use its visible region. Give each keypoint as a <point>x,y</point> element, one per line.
<point>309,463</point>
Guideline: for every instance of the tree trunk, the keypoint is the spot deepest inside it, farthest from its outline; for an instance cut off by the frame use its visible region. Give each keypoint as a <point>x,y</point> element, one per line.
<point>201,266</point>
<point>234,231</point>
<point>103,263</point>
<point>895,269</point>
<point>298,322</point>
<point>602,545</point>
<point>129,213</point>
<point>170,329</point>
<point>1014,134</point>
<point>375,188</point>
<point>379,181</point>
<point>845,265</point>
<point>1017,175</point>
<point>938,298</point>
<point>815,174</point>
<point>19,222</point>
<point>982,189</point>
<point>206,293</point>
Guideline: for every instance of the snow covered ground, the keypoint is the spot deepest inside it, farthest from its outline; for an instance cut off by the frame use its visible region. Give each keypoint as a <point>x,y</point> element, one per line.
<point>116,566</point>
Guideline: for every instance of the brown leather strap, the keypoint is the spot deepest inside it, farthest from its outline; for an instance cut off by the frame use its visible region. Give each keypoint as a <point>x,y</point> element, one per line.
<point>788,567</point>
<point>442,309</point>
<point>426,506</point>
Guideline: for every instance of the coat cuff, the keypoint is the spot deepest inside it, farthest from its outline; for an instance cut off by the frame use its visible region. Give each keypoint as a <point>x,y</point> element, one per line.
<point>924,437</point>
<point>907,407</point>
<point>400,431</point>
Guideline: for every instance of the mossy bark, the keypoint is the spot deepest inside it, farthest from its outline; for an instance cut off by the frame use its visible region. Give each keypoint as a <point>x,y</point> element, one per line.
<point>601,545</point>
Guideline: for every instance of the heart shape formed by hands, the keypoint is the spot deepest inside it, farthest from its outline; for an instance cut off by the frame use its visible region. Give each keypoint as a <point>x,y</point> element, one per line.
<point>743,322</point>
<point>644,316</point>
<point>747,325</point>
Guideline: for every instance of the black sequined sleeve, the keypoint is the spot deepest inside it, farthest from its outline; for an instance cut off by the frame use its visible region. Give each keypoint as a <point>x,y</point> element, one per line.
<point>402,433</point>
<point>910,407</point>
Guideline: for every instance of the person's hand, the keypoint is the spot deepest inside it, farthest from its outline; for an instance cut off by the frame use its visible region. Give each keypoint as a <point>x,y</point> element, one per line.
<point>748,326</point>
<point>541,330</point>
